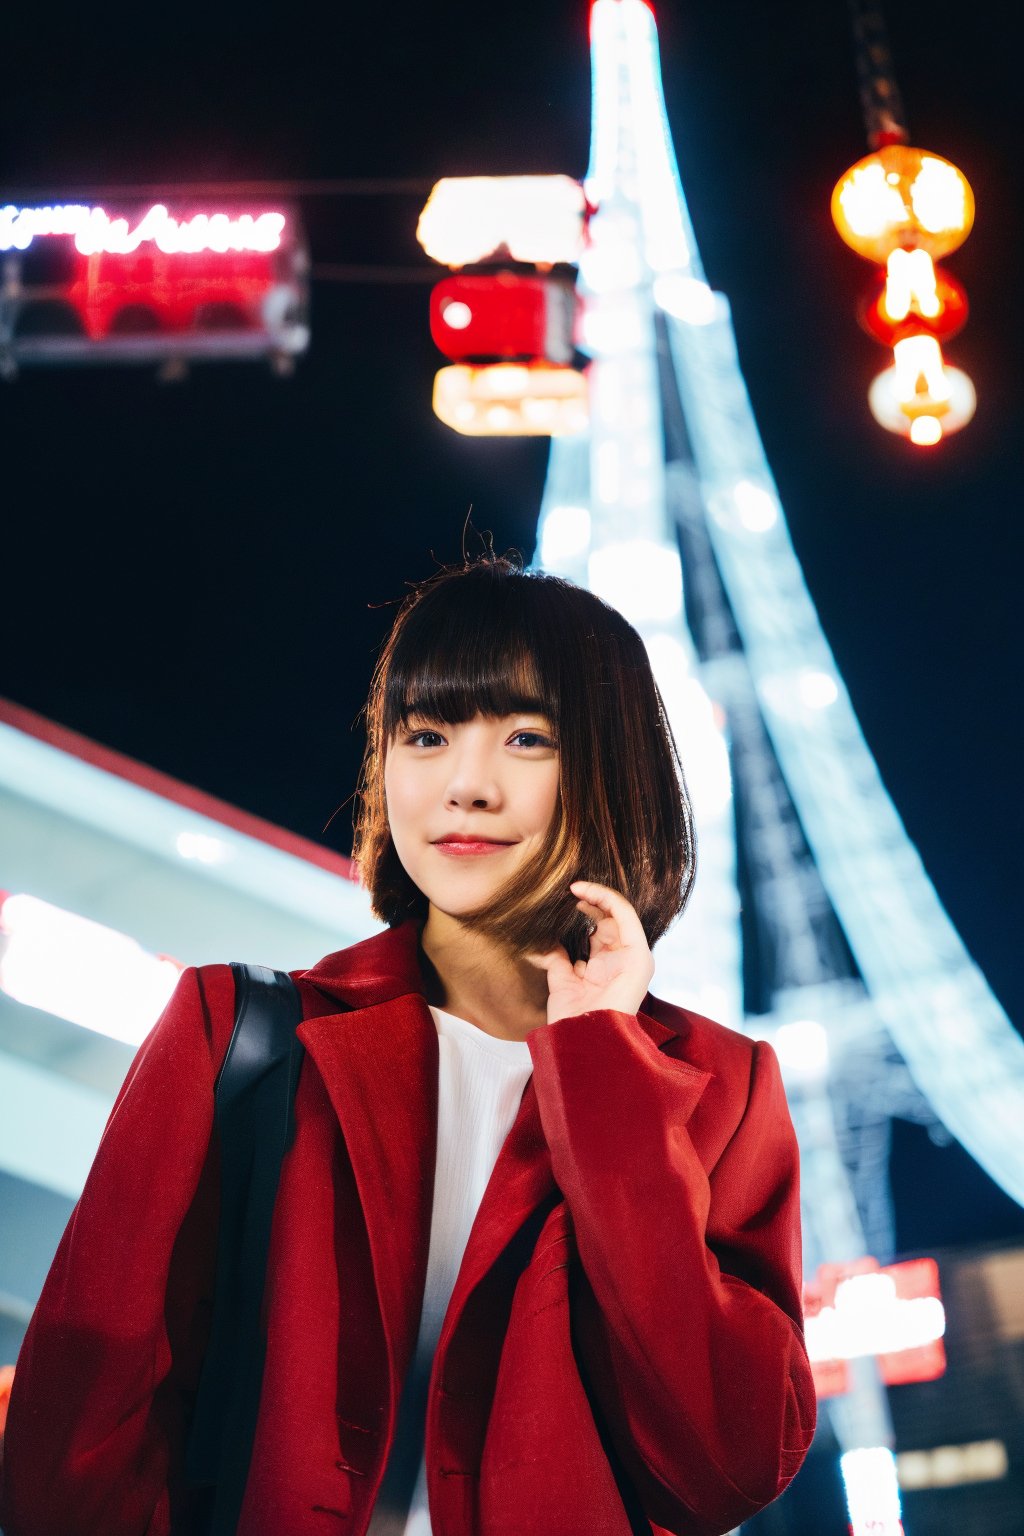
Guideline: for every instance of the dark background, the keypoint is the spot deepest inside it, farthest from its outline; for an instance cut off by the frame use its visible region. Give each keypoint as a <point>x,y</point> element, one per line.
<point>200,574</point>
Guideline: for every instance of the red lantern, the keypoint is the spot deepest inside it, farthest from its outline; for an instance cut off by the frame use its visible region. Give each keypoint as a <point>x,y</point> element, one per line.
<point>504,315</point>
<point>913,297</point>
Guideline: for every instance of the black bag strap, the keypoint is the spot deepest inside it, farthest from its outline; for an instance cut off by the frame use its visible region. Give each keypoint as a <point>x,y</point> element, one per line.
<point>254,1113</point>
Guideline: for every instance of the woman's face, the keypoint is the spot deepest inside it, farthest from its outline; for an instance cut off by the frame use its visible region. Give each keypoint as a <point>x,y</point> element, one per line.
<point>490,780</point>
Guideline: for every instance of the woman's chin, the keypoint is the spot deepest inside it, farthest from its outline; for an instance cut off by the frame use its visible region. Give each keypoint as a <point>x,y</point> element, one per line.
<point>462,905</point>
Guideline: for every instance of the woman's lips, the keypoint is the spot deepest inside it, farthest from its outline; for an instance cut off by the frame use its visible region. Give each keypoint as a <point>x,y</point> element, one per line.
<point>462,850</point>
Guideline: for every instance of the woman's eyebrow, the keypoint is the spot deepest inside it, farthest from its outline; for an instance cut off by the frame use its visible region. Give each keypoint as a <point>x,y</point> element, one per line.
<point>531,706</point>
<point>418,712</point>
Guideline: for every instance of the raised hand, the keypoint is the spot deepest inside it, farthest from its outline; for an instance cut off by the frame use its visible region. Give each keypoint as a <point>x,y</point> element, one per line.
<point>619,969</point>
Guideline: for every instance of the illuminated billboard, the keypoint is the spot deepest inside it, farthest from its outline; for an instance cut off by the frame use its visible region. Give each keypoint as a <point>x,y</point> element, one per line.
<point>155,282</point>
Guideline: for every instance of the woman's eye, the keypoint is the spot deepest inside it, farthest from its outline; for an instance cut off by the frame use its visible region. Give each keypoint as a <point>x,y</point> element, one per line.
<point>537,736</point>
<point>415,736</point>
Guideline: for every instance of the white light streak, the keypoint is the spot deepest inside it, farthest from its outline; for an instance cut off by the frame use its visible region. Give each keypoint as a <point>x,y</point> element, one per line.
<point>614,325</point>
<point>666,245</point>
<point>697,727</point>
<point>758,509</point>
<point>641,578</point>
<point>687,298</point>
<point>202,847</point>
<point>566,533</point>
<point>817,689</point>
<point>605,106</point>
<point>606,463</point>
<point>789,695</point>
<point>610,264</point>
<point>872,1491</point>
<point>802,1048</point>
<point>82,971</point>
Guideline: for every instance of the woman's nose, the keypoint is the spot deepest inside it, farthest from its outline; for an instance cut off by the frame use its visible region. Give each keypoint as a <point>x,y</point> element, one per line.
<point>472,783</point>
<point>462,793</point>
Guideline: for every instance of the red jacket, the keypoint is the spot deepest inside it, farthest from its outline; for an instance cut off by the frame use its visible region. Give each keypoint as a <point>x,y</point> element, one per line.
<point>623,1348</point>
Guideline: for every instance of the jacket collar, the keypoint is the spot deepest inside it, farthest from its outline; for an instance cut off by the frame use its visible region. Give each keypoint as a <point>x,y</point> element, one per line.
<point>387,966</point>
<point>375,970</point>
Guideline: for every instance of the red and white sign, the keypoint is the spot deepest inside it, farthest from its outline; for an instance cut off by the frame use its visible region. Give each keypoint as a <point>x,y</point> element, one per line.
<point>190,279</point>
<point>894,1313</point>
<point>95,230</point>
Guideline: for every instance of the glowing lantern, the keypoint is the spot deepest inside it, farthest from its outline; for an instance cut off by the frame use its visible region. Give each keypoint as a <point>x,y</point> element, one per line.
<point>921,396</point>
<point>913,297</point>
<point>906,197</point>
<point>512,400</point>
<point>536,219</point>
<point>504,315</point>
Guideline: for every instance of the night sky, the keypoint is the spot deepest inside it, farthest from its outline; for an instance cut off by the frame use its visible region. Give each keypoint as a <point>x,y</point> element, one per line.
<point>199,574</point>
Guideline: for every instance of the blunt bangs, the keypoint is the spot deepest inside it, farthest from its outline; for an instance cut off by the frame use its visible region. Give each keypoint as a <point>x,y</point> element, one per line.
<point>483,655</point>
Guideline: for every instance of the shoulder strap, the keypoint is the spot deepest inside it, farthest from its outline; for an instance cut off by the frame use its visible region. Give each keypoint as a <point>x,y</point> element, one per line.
<point>255,1121</point>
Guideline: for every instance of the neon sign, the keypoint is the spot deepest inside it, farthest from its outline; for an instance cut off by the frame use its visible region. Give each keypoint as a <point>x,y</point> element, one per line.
<point>894,1313</point>
<point>94,230</point>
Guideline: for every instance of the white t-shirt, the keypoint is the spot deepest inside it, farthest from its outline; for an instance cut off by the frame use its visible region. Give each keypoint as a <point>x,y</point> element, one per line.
<point>480,1084</point>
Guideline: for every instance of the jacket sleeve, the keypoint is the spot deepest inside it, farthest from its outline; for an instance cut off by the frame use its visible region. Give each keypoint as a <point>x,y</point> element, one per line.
<point>689,1321</point>
<point>98,1410</point>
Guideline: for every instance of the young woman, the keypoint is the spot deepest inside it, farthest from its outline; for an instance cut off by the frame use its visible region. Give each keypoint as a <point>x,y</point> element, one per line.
<point>535,1263</point>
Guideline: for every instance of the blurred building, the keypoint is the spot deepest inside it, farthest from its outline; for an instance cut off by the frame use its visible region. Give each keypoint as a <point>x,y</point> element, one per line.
<point>112,878</point>
<point>960,1438</point>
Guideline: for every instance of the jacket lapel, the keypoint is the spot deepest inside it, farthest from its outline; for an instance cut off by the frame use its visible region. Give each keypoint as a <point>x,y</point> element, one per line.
<point>379,1066</point>
<point>378,1059</point>
<point>520,1182</point>
<point>379,1063</point>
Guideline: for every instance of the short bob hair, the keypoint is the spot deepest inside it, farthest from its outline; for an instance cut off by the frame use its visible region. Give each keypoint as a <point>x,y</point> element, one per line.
<point>488,637</point>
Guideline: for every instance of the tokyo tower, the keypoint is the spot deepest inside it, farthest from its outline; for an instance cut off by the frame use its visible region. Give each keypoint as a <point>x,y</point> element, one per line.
<point>813,921</point>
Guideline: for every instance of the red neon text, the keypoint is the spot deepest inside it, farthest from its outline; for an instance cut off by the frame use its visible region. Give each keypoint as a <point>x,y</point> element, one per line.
<point>95,231</point>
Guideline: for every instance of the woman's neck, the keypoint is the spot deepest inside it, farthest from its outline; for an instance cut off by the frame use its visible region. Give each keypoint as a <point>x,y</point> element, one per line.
<point>469,975</point>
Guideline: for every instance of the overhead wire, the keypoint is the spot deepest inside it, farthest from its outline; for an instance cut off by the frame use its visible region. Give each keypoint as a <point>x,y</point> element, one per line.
<point>352,186</point>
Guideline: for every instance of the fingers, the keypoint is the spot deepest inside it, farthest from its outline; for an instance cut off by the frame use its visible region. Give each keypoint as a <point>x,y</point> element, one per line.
<point>555,961</point>
<point>611,903</point>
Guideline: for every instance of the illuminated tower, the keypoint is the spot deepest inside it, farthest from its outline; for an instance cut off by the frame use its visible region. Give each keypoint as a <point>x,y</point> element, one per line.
<point>813,922</point>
